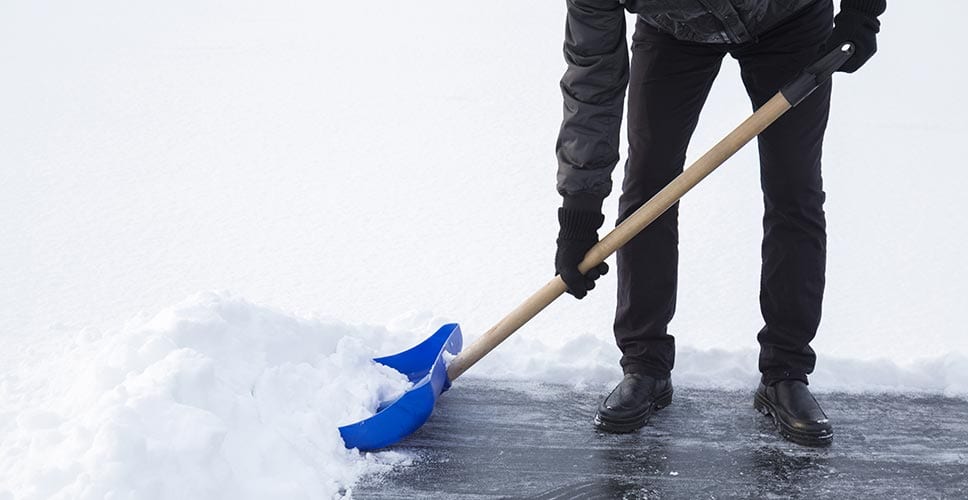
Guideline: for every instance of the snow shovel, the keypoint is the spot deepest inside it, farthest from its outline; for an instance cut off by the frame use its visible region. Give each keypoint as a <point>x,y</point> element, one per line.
<point>431,367</point>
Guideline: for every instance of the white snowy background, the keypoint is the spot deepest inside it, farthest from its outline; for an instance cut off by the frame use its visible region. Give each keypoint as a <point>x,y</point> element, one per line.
<point>213,213</point>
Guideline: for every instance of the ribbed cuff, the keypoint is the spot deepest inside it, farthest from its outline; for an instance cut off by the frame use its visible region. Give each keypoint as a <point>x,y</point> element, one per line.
<point>579,224</point>
<point>872,8</point>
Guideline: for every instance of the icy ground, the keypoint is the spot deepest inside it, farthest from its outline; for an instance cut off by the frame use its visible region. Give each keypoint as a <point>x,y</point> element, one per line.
<point>384,160</point>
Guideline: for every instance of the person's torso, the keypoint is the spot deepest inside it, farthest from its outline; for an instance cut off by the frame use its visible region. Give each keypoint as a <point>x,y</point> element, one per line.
<point>714,21</point>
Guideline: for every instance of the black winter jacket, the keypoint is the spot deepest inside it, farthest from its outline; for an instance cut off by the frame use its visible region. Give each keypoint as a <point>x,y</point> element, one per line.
<point>595,82</point>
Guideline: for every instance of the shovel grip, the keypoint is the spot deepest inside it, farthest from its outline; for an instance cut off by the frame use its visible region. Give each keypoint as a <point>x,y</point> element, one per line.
<point>816,74</point>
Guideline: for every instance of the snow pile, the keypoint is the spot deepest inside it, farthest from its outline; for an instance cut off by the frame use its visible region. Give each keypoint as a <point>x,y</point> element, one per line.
<point>214,398</point>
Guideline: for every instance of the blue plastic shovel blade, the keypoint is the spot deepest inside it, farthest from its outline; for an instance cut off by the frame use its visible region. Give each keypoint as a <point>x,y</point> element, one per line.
<point>424,366</point>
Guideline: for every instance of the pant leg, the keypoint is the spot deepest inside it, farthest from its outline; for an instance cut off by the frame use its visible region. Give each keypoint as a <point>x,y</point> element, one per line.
<point>668,84</point>
<point>794,226</point>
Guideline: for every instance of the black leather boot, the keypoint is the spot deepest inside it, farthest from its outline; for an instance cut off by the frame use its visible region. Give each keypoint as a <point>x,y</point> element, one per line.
<point>796,414</point>
<point>629,406</point>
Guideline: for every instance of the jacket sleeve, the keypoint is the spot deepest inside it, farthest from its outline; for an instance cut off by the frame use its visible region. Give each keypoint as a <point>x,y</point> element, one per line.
<point>593,88</point>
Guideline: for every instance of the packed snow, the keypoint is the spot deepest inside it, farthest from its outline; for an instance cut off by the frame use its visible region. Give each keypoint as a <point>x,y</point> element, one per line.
<point>359,174</point>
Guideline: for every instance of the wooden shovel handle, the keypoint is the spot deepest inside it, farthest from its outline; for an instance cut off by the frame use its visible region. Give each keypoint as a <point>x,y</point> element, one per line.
<point>791,95</point>
<point>624,232</point>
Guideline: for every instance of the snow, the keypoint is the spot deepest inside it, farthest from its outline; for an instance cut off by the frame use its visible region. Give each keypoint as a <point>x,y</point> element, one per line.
<point>591,361</point>
<point>391,165</point>
<point>213,398</point>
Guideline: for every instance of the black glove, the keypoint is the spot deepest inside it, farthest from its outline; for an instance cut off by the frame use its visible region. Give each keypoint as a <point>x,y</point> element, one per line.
<point>857,23</point>
<point>578,233</point>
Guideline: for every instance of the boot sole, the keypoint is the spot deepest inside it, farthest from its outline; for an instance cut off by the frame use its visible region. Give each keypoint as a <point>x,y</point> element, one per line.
<point>635,422</point>
<point>764,406</point>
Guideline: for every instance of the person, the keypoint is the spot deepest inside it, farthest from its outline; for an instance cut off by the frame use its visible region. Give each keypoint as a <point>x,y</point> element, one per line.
<point>676,52</point>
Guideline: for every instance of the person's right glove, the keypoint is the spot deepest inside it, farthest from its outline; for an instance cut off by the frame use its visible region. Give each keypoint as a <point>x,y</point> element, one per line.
<point>857,23</point>
<point>578,233</point>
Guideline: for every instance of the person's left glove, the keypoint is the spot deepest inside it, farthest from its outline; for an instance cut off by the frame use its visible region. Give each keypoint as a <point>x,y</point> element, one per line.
<point>578,233</point>
<point>857,23</point>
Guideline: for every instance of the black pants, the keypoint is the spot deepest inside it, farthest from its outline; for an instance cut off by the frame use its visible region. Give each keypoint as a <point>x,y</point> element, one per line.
<point>669,82</point>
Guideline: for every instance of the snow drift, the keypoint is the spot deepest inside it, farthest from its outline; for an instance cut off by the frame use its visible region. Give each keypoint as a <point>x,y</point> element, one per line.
<point>213,398</point>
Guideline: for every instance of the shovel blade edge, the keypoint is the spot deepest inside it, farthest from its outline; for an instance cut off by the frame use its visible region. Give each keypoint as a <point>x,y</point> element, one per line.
<point>425,366</point>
